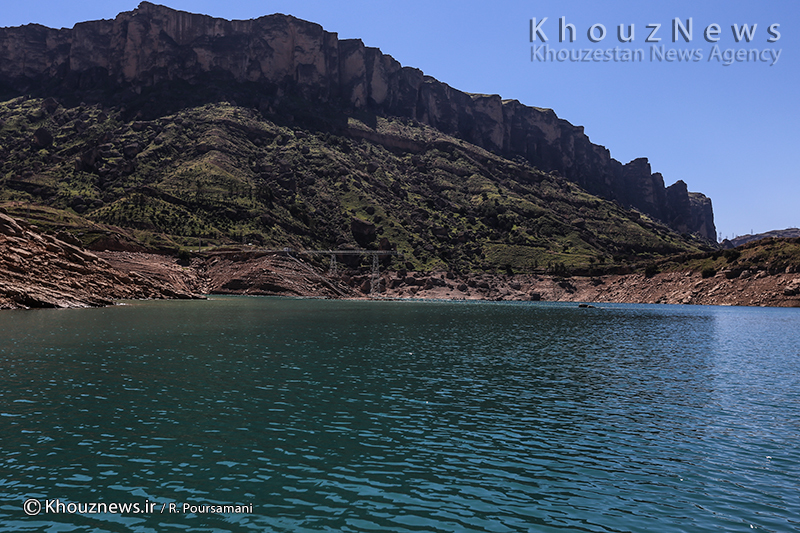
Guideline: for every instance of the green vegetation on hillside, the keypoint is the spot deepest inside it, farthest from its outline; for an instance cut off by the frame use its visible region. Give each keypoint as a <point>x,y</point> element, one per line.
<point>770,256</point>
<point>221,174</point>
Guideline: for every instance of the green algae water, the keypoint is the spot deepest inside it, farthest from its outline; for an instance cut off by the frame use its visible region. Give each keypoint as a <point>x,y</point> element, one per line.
<point>261,414</point>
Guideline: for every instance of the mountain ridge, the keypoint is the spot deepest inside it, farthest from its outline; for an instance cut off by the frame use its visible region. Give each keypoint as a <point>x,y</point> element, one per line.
<point>285,66</point>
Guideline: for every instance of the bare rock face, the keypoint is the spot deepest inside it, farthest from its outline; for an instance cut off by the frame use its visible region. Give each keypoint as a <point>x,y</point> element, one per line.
<point>153,44</point>
<point>702,215</point>
<point>9,226</point>
<point>287,58</point>
<point>40,270</point>
<point>268,274</point>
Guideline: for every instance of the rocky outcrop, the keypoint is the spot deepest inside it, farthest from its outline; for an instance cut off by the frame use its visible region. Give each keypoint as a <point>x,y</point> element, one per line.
<point>702,216</point>
<point>364,232</point>
<point>39,270</point>
<point>284,57</point>
<point>267,274</point>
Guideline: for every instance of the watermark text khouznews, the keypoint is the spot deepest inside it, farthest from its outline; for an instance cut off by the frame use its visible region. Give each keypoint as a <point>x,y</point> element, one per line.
<point>35,507</point>
<point>721,44</point>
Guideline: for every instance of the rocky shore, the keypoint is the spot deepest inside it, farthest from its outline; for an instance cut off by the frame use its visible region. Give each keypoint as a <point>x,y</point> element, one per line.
<point>780,290</point>
<point>39,270</point>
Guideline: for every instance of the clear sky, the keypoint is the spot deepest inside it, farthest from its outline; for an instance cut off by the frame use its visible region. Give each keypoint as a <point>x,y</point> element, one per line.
<point>730,132</point>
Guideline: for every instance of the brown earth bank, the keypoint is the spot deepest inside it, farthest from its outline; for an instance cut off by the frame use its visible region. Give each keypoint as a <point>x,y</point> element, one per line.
<point>39,270</point>
<point>279,274</point>
<point>761,289</point>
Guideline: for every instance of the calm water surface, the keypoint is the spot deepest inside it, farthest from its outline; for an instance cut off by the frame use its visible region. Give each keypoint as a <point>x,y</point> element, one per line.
<point>402,416</point>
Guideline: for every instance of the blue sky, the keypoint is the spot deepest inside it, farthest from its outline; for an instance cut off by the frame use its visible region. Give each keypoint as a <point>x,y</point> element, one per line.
<point>730,132</point>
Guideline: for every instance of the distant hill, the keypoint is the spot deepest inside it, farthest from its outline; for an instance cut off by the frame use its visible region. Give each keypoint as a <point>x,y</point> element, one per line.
<point>162,129</point>
<point>778,233</point>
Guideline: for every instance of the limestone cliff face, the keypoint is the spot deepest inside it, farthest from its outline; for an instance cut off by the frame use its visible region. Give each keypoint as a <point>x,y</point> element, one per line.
<point>153,44</point>
<point>702,215</point>
<point>287,57</point>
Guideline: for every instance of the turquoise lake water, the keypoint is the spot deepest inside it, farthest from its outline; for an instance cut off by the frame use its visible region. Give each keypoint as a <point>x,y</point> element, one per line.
<point>317,415</point>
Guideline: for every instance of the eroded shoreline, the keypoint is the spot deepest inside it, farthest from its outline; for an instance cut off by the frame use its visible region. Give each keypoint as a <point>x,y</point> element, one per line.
<point>40,271</point>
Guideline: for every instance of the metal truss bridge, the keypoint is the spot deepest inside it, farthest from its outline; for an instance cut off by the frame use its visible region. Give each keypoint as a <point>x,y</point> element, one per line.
<point>376,271</point>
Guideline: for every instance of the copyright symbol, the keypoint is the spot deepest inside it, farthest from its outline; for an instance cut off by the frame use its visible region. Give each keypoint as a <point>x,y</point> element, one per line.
<point>32,507</point>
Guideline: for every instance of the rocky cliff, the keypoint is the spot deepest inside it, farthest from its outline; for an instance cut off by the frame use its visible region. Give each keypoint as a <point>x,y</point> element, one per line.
<point>281,59</point>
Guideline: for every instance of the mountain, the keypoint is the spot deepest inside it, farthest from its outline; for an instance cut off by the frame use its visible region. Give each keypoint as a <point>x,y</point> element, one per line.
<point>777,234</point>
<point>155,62</point>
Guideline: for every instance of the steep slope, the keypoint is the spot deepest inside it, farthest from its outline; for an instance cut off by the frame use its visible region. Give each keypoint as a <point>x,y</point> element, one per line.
<point>41,270</point>
<point>222,173</point>
<point>155,60</point>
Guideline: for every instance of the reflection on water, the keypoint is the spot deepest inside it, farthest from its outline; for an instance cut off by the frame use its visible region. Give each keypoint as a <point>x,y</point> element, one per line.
<point>403,416</point>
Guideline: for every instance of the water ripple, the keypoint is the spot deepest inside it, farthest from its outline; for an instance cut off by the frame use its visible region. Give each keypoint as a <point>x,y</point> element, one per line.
<point>396,416</point>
